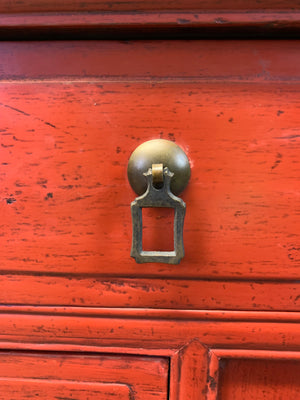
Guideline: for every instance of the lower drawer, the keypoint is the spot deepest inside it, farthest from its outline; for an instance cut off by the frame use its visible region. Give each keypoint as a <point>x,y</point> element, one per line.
<point>84,354</point>
<point>45,375</point>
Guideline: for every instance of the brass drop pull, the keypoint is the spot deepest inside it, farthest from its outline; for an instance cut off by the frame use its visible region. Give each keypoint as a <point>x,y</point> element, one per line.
<point>155,179</point>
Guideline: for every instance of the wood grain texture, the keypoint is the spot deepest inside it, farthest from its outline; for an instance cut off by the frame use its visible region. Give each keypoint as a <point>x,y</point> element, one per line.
<point>151,24</point>
<point>253,374</point>
<point>163,314</point>
<point>152,61</point>
<point>253,379</point>
<point>23,389</point>
<point>142,336</point>
<point>192,371</point>
<point>152,293</point>
<point>68,130</point>
<point>66,135</point>
<point>65,195</point>
<point>142,5</point>
<point>256,354</point>
<point>194,352</point>
<point>98,376</point>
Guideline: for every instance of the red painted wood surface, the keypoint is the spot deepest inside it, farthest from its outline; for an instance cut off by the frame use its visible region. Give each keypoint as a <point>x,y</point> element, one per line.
<point>200,355</point>
<point>150,313</point>
<point>88,376</point>
<point>139,19</point>
<point>149,24</point>
<point>157,223</point>
<point>138,335</point>
<point>36,19</point>
<point>142,5</point>
<point>65,142</point>
<point>255,379</point>
<point>252,374</point>
<point>71,114</point>
<point>183,61</point>
<point>47,389</point>
<point>65,195</point>
<point>153,293</point>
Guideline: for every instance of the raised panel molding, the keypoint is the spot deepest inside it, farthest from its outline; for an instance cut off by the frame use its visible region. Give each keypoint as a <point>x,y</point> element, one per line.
<point>25,389</point>
<point>82,375</point>
<point>195,346</point>
<point>262,379</point>
<point>133,19</point>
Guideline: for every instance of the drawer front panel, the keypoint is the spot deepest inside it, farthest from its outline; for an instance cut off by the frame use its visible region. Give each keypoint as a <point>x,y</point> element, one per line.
<point>21,390</point>
<point>101,377</point>
<point>65,208</point>
<point>66,199</point>
<point>192,356</point>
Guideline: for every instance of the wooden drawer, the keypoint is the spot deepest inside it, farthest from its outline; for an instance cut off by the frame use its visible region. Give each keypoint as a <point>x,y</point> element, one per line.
<point>164,354</point>
<point>79,318</point>
<point>72,113</point>
<point>50,375</point>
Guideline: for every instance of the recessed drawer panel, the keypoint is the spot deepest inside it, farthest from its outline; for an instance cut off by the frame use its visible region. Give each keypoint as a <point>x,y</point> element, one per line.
<point>102,377</point>
<point>248,379</point>
<point>24,389</point>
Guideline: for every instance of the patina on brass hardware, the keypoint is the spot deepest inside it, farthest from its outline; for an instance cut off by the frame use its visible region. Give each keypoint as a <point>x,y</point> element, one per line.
<point>158,151</point>
<point>150,174</point>
<point>157,175</point>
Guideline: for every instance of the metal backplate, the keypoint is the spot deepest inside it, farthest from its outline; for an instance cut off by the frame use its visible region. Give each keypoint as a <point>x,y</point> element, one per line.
<point>157,197</point>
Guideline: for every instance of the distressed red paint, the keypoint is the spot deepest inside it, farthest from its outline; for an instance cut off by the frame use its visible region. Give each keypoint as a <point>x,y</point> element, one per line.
<point>79,318</point>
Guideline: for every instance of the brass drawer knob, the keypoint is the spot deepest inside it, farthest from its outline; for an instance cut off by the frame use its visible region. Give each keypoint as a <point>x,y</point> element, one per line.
<point>156,169</point>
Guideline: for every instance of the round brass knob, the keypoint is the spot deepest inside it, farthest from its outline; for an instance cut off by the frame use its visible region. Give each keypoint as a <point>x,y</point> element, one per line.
<point>158,151</point>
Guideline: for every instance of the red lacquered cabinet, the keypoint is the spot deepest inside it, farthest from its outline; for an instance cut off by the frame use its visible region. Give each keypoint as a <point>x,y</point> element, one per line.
<point>82,85</point>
